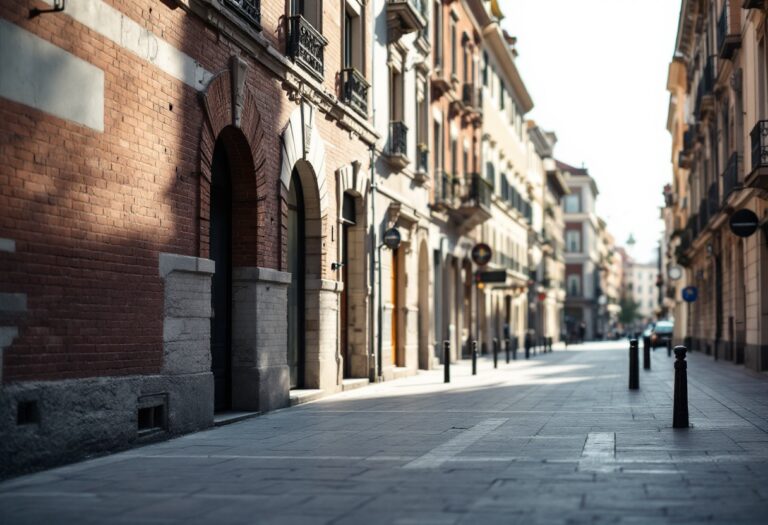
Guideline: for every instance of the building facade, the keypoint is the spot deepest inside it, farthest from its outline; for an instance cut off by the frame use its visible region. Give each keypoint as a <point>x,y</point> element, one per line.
<point>171,215</point>
<point>719,102</point>
<point>582,253</point>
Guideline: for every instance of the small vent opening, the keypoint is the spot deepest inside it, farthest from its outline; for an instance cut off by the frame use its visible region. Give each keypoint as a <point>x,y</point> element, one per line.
<point>152,414</point>
<point>27,413</point>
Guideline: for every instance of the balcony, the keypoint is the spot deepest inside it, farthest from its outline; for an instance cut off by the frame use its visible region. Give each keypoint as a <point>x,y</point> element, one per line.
<point>731,180</point>
<point>475,207</point>
<point>422,163</point>
<point>445,190</point>
<point>470,96</point>
<point>355,91</point>
<point>758,175</point>
<point>306,46</point>
<point>728,33</point>
<point>403,17</point>
<point>250,10</point>
<point>713,199</point>
<point>705,97</point>
<point>397,154</point>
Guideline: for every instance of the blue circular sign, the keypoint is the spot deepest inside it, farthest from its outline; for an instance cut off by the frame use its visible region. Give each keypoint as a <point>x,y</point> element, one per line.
<point>690,294</point>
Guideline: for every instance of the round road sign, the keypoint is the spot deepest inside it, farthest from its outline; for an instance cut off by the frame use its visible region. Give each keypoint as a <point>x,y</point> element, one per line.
<point>675,273</point>
<point>481,254</point>
<point>744,223</point>
<point>392,238</point>
<point>690,294</point>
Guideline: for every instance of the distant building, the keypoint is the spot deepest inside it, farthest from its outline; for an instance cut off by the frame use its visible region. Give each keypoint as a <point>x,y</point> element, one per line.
<point>642,286</point>
<point>582,258</point>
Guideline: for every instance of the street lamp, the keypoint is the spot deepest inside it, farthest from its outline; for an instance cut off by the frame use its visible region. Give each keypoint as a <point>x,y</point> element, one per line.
<point>390,240</point>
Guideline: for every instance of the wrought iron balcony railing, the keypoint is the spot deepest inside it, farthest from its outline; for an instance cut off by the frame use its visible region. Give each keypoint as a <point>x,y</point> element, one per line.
<point>470,96</point>
<point>422,158</point>
<point>306,45</point>
<point>248,9</point>
<point>703,215</point>
<point>731,178</point>
<point>355,90</point>
<point>728,37</point>
<point>759,139</point>
<point>480,192</point>
<point>405,16</point>
<point>444,188</point>
<point>398,138</point>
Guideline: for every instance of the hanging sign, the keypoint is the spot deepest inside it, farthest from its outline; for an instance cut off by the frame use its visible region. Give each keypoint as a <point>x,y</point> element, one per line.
<point>690,294</point>
<point>481,254</point>
<point>497,276</point>
<point>392,238</point>
<point>744,223</point>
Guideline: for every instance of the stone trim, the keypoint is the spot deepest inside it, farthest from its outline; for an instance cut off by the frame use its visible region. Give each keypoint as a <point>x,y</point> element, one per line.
<point>265,275</point>
<point>324,285</point>
<point>171,262</point>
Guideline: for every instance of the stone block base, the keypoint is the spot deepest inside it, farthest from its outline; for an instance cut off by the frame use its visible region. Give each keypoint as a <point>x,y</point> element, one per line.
<point>76,418</point>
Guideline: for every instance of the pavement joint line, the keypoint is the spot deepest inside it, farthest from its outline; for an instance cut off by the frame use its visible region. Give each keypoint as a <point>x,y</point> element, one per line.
<point>451,448</point>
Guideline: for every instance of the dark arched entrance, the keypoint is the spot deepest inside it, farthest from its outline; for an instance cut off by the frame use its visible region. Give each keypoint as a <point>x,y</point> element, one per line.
<point>221,293</point>
<point>296,290</point>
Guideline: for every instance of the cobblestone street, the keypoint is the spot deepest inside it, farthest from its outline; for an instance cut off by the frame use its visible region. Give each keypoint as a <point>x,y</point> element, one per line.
<point>557,439</point>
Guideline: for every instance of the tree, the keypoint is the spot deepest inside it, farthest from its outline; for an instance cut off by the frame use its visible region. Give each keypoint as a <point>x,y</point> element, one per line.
<point>629,311</point>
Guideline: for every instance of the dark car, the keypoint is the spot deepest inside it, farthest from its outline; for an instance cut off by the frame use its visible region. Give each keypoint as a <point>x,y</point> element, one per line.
<point>661,333</point>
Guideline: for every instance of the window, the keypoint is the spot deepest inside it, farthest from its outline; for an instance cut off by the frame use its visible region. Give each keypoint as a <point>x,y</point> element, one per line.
<point>311,10</point>
<point>453,48</point>
<point>502,95</point>
<point>454,157</point>
<point>485,69</point>
<point>574,285</point>
<point>438,26</point>
<point>573,241</point>
<point>465,57</point>
<point>572,203</point>
<point>395,95</point>
<point>490,172</point>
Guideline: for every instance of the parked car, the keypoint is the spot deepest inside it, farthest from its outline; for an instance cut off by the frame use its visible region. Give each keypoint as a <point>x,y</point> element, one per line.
<point>661,333</point>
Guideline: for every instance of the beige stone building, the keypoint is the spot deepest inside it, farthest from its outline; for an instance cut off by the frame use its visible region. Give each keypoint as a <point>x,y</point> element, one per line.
<point>719,105</point>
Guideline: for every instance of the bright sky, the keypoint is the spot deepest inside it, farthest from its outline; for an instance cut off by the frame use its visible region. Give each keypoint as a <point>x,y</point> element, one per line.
<point>597,72</point>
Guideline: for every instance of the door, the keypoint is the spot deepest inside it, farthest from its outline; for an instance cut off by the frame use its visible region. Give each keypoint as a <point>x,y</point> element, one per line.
<point>296,257</point>
<point>221,292</point>
<point>395,303</point>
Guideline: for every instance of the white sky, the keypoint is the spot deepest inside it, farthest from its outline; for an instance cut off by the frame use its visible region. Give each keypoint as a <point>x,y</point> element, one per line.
<point>597,73</point>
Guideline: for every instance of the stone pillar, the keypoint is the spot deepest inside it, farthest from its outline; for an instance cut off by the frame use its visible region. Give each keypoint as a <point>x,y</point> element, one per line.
<point>322,310</point>
<point>260,376</point>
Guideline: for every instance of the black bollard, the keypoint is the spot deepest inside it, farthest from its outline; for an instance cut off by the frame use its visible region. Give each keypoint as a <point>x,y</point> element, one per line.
<point>495,353</point>
<point>527,343</point>
<point>514,349</point>
<point>447,361</point>
<point>634,365</point>
<point>506,348</point>
<point>474,358</point>
<point>680,408</point>
<point>646,355</point>
<point>669,347</point>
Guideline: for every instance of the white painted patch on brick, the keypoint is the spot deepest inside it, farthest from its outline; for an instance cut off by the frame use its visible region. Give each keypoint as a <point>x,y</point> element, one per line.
<point>131,36</point>
<point>453,447</point>
<point>7,245</point>
<point>38,74</point>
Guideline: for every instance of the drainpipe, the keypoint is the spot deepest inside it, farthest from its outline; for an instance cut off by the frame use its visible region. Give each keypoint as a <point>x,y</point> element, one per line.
<point>372,305</point>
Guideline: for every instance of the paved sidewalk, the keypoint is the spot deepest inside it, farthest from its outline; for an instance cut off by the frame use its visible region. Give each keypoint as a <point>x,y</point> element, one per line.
<point>557,439</point>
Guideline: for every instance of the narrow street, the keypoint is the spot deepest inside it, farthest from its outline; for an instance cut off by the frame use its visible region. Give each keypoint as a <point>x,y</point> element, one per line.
<point>557,439</point>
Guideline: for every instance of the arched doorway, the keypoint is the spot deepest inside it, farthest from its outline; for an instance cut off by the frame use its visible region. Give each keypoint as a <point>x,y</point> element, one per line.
<point>425,355</point>
<point>348,223</point>
<point>297,288</point>
<point>221,292</point>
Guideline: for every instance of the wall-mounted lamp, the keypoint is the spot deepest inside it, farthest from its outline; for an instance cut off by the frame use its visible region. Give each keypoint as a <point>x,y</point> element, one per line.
<point>58,7</point>
<point>336,266</point>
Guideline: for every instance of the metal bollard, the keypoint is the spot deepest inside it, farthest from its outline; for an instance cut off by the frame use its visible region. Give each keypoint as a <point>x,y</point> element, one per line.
<point>474,358</point>
<point>447,361</point>
<point>646,355</point>
<point>669,347</point>
<point>680,407</point>
<point>527,343</point>
<point>514,348</point>
<point>506,348</point>
<point>495,353</point>
<point>634,372</point>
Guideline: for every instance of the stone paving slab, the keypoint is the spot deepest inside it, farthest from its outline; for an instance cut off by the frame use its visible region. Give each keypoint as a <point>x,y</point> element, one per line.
<point>556,439</point>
